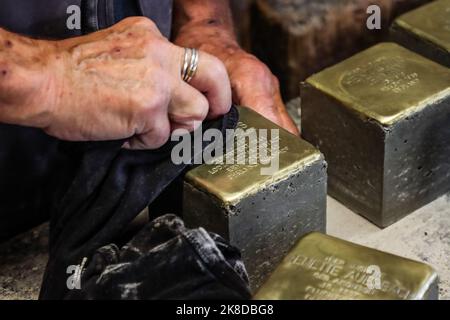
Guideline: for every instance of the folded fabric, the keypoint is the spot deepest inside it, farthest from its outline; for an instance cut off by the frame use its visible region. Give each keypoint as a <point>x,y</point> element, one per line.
<point>53,19</point>
<point>165,261</point>
<point>29,162</point>
<point>104,187</point>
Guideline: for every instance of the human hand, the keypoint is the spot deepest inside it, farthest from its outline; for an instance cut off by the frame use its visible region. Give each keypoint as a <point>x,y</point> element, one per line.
<point>120,83</point>
<point>254,85</point>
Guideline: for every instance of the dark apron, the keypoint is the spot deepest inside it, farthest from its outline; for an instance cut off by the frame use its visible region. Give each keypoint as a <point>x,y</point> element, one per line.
<point>29,161</point>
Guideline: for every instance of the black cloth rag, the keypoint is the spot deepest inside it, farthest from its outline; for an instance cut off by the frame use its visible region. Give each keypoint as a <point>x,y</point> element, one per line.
<point>103,188</point>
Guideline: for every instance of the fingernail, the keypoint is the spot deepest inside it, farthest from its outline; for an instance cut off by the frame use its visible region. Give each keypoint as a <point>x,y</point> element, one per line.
<point>126,145</point>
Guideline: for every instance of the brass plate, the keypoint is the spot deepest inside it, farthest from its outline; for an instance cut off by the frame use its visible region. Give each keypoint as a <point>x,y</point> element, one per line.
<point>430,22</point>
<point>232,182</point>
<point>385,83</point>
<point>323,267</point>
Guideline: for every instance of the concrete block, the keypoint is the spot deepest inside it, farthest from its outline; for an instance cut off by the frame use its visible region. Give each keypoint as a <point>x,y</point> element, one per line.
<point>382,120</point>
<point>262,215</point>
<point>322,267</point>
<point>297,38</point>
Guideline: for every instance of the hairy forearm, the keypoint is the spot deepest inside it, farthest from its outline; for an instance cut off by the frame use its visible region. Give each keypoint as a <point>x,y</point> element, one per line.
<point>207,25</point>
<point>23,79</point>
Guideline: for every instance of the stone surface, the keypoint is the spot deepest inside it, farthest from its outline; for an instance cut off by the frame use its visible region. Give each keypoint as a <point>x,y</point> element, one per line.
<point>297,38</point>
<point>423,235</point>
<point>381,118</point>
<point>322,267</point>
<point>22,264</point>
<point>266,224</point>
<point>426,31</point>
<point>263,216</point>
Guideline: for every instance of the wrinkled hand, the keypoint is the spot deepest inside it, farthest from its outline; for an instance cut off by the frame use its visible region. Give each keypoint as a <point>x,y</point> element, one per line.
<point>120,83</point>
<point>254,86</point>
<point>208,25</point>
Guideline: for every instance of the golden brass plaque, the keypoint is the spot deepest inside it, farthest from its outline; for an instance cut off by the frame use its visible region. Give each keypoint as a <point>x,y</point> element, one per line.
<point>262,214</point>
<point>385,83</point>
<point>326,268</point>
<point>232,182</point>
<point>430,22</point>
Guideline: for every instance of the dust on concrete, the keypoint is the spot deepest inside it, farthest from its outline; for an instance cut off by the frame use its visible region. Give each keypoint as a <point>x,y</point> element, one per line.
<point>22,264</point>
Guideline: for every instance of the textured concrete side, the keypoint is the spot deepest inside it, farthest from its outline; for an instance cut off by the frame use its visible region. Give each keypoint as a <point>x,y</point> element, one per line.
<point>297,38</point>
<point>266,224</point>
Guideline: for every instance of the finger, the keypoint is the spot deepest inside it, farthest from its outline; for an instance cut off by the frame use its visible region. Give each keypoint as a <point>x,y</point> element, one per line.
<point>271,108</point>
<point>212,80</point>
<point>261,103</point>
<point>154,137</point>
<point>287,122</point>
<point>188,108</point>
<point>263,97</point>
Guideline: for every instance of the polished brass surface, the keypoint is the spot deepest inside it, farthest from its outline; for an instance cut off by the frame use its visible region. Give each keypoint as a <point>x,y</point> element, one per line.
<point>385,83</point>
<point>232,182</point>
<point>430,22</point>
<point>323,267</point>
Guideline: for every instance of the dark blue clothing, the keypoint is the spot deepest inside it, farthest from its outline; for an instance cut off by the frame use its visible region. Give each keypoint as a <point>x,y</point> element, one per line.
<point>101,189</point>
<point>48,18</point>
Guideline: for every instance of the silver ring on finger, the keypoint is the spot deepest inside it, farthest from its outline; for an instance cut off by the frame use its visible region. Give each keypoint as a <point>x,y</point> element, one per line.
<point>190,64</point>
